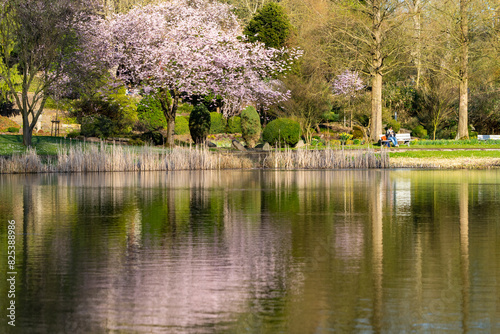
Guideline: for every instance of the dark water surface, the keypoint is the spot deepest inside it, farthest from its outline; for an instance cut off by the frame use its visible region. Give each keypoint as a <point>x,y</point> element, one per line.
<point>253,252</point>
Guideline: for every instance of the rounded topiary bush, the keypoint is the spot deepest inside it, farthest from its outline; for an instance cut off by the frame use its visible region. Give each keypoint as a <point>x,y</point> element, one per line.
<point>282,131</point>
<point>218,123</point>
<point>199,123</point>
<point>250,126</point>
<point>181,125</point>
<point>233,125</point>
<point>150,114</point>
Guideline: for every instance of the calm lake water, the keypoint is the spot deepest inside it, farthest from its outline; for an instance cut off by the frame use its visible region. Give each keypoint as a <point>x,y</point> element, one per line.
<point>253,252</point>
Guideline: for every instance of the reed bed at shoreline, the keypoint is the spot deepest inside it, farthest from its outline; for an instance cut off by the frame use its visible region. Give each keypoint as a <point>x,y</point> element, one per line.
<point>116,158</point>
<point>90,157</point>
<point>327,159</point>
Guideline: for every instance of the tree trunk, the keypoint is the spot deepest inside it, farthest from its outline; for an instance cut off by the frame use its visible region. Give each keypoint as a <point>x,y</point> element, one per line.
<point>463,131</point>
<point>417,19</point>
<point>169,101</point>
<point>170,132</point>
<point>376,126</point>
<point>172,112</point>
<point>376,72</point>
<point>27,132</point>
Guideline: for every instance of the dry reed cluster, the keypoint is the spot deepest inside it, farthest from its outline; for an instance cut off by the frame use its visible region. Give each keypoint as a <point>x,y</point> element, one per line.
<point>103,158</point>
<point>117,158</point>
<point>327,159</point>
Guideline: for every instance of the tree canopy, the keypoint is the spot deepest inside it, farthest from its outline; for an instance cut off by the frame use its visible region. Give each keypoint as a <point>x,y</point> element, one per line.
<point>190,48</point>
<point>270,26</point>
<point>37,42</point>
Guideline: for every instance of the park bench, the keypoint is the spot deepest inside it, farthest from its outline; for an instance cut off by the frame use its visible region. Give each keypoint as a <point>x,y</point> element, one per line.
<point>488,137</point>
<point>403,138</point>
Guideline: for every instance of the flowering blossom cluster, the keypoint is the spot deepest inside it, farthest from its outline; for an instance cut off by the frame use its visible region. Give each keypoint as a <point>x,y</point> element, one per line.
<point>347,84</point>
<point>190,47</point>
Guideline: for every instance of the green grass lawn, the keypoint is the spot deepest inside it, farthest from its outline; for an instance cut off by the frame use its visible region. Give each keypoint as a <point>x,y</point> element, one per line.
<point>45,145</point>
<point>445,154</point>
<point>469,143</point>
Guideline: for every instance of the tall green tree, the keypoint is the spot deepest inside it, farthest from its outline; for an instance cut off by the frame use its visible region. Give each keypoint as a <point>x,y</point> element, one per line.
<point>459,28</point>
<point>270,26</point>
<point>368,35</point>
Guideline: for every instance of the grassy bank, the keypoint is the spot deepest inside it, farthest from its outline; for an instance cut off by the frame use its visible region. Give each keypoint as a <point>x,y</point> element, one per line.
<point>445,159</point>
<point>44,145</point>
<point>454,144</point>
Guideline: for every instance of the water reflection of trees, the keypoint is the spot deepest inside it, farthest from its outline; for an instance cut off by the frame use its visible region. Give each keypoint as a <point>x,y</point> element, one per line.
<point>320,250</point>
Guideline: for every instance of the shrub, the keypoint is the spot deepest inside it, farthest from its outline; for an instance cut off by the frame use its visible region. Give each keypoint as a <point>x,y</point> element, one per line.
<point>344,137</point>
<point>199,123</point>
<point>217,123</point>
<point>250,126</point>
<point>136,142</point>
<point>283,131</point>
<point>153,137</point>
<point>419,132</point>
<point>357,133</point>
<point>99,126</point>
<point>181,125</point>
<point>330,116</point>
<point>184,108</point>
<point>114,108</point>
<point>7,109</point>
<point>233,125</point>
<point>150,114</point>
<point>14,129</point>
<point>68,120</point>
<point>128,109</point>
<point>6,123</point>
<point>395,125</point>
<point>73,134</point>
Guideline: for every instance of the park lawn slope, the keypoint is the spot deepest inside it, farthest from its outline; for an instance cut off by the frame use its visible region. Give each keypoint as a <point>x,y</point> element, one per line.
<point>456,144</point>
<point>44,145</point>
<point>459,159</point>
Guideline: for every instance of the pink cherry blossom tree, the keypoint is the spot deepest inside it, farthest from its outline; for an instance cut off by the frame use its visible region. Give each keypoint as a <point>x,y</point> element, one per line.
<point>189,47</point>
<point>348,84</point>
